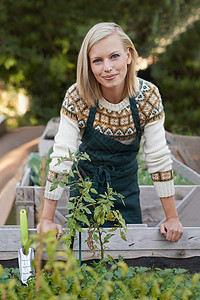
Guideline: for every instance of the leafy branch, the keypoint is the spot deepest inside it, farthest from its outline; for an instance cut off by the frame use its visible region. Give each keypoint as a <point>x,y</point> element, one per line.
<point>89,209</point>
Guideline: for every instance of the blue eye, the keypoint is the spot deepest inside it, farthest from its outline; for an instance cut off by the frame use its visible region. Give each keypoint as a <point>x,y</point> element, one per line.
<point>115,56</point>
<point>97,60</point>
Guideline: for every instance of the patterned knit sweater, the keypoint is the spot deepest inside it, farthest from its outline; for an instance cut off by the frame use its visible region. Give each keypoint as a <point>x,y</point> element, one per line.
<point>116,121</point>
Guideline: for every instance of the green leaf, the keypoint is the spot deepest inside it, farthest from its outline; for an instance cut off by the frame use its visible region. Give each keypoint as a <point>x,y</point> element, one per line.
<point>107,237</point>
<point>83,218</point>
<point>86,209</point>
<point>93,191</point>
<point>97,212</point>
<point>123,236</point>
<point>96,238</point>
<point>79,228</point>
<point>113,229</point>
<point>62,184</point>
<point>69,215</point>
<point>70,205</point>
<point>102,196</point>
<point>112,198</point>
<point>89,199</point>
<point>53,186</point>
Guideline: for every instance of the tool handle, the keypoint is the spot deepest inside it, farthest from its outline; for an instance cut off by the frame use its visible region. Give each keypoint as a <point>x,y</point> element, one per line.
<point>24,227</point>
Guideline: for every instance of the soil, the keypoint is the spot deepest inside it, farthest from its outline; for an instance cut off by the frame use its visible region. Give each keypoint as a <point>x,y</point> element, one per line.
<point>191,264</point>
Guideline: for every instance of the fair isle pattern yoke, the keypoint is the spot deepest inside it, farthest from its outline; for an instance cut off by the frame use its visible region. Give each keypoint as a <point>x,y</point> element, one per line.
<point>162,176</point>
<point>117,124</point>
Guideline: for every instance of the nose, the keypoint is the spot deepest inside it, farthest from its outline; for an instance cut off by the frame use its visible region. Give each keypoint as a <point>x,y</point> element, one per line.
<point>107,65</point>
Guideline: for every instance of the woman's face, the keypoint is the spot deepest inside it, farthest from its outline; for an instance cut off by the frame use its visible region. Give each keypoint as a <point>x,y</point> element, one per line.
<point>108,61</point>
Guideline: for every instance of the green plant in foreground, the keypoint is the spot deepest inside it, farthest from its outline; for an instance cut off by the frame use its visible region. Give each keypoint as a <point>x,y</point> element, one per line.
<point>88,209</point>
<point>106,279</point>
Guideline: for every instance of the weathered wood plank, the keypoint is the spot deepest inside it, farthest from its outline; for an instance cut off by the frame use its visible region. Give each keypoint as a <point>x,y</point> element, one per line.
<point>47,139</point>
<point>147,242</point>
<point>189,209</point>
<point>141,241</point>
<point>186,149</point>
<point>185,171</point>
<point>151,207</point>
<point>26,178</point>
<point>28,197</point>
<point>25,200</point>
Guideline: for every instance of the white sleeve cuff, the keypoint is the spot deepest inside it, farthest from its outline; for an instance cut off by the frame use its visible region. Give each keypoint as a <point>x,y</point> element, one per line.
<point>164,189</point>
<point>53,195</point>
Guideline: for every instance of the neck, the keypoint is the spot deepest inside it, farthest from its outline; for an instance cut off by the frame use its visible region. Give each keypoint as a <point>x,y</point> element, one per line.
<point>114,95</point>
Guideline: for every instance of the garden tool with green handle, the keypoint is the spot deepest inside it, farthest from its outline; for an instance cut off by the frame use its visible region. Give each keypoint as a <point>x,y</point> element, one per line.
<point>25,255</point>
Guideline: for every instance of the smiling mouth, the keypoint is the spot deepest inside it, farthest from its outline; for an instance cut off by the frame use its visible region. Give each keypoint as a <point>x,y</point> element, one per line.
<point>110,77</point>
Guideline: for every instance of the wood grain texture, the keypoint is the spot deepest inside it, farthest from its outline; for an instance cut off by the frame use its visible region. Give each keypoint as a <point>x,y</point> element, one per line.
<point>141,241</point>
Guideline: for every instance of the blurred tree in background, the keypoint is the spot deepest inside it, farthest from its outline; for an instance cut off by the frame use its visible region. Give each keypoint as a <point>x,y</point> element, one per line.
<point>40,40</point>
<point>178,74</point>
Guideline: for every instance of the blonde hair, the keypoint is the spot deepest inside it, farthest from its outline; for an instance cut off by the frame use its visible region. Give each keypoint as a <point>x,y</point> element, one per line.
<point>88,86</point>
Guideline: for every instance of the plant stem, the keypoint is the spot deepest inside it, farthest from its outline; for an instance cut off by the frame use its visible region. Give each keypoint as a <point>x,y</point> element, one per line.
<point>101,242</point>
<point>39,250</point>
<point>79,175</point>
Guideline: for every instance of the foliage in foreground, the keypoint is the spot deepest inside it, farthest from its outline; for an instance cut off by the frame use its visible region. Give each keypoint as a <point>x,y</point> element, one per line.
<point>107,279</point>
<point>88,208</point>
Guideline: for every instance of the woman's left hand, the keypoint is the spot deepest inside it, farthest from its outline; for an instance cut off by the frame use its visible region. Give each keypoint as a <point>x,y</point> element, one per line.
<point>172,229</point>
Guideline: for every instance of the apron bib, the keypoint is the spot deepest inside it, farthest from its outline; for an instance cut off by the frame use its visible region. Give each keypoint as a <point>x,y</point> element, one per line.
<point>115,163</point>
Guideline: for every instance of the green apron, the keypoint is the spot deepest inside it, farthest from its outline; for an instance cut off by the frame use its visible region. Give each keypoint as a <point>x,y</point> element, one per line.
<point>115,163</point>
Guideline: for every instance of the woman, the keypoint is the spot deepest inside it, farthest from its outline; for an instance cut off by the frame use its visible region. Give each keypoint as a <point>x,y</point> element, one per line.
<point>104,114</point>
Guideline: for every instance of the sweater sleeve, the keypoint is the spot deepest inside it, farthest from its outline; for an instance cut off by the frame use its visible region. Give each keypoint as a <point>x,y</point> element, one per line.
<point>158,158</point>
<point>67,138</point>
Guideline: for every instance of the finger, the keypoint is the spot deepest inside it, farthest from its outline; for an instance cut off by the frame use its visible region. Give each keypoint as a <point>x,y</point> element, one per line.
<point>163,229</point>
<point>177,235</point>
<point>169,235</point>
<point>60,231</point>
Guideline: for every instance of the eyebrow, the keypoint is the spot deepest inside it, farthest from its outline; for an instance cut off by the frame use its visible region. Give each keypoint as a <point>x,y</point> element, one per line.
<point>114,52</point>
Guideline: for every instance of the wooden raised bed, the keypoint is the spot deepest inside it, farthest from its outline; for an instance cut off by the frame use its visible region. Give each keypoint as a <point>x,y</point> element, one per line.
<point>186,197</point>
<point>47,139</point>
<point>142,241</point>
<point>28,197</point>
<point>185,149</point>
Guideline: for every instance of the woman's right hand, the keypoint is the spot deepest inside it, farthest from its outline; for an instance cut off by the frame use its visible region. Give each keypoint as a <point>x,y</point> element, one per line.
<point>48,225</point>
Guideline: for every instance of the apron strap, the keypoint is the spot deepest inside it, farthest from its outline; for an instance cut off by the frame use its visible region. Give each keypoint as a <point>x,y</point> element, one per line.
<point>92,114</point>
<point>135,114</point>
<point>91,117</point>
